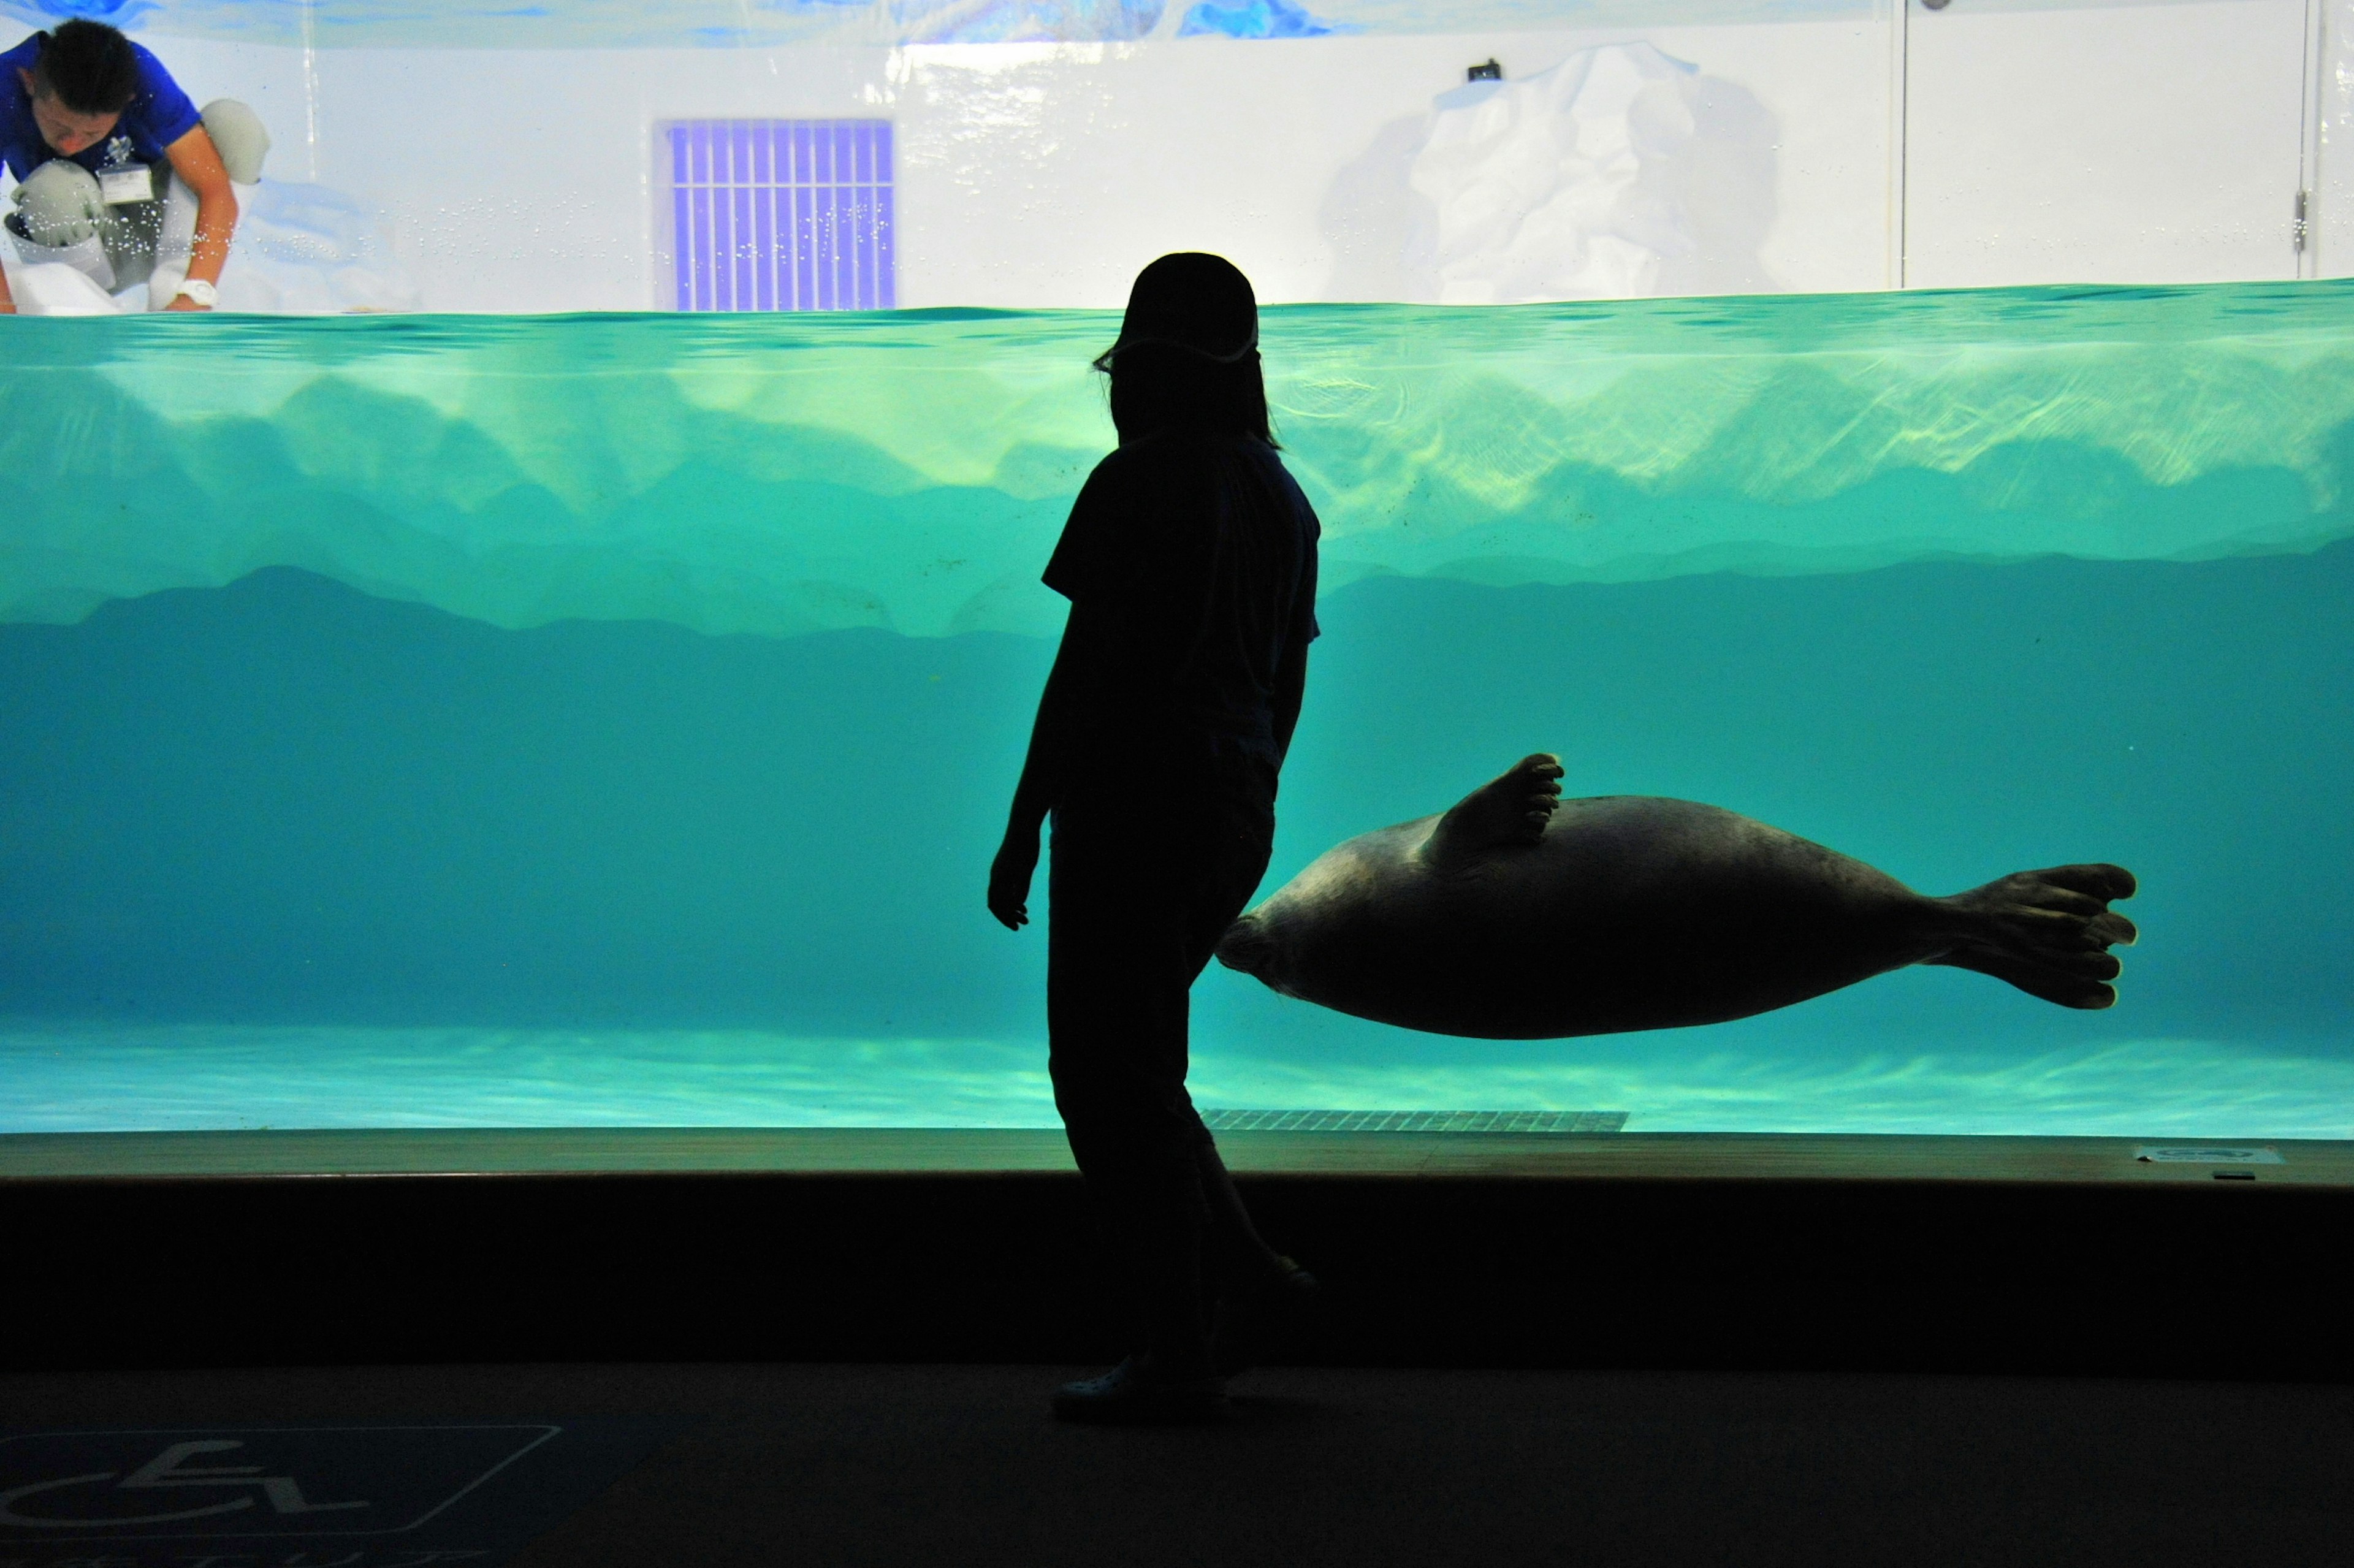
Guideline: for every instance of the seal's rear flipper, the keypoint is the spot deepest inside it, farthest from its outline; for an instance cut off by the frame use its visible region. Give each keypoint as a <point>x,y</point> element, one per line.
<point>1508,811</point>
<point>2046,932</point>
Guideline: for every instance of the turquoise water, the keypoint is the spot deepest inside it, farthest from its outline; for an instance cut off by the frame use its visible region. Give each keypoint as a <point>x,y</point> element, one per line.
<point>606,720</point>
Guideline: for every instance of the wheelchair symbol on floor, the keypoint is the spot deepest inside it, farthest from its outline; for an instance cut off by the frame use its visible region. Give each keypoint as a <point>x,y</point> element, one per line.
<point>169,1469</point>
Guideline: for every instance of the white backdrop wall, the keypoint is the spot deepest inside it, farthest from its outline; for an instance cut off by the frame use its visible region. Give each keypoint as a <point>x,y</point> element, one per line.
<point>1982,144</point>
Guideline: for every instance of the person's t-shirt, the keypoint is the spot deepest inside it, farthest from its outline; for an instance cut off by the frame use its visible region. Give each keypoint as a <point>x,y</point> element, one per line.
<point>158,114</point>
<point>1194,555</point>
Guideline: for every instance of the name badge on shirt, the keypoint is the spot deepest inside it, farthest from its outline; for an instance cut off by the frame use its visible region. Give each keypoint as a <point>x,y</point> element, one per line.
<point>131,183</point>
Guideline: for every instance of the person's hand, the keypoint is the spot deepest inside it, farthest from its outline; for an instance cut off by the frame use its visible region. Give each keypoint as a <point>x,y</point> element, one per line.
<point>1009,879</point>
<point>182,302</point>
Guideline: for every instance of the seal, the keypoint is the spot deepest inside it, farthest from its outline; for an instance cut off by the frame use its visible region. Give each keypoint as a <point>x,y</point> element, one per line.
<point>1521,915</point>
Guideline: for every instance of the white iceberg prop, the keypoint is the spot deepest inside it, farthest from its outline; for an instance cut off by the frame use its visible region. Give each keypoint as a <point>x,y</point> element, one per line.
<point>1619,172</point>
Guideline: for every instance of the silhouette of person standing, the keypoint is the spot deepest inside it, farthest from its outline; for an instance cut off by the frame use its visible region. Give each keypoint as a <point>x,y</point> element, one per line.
<point>1190,563</point>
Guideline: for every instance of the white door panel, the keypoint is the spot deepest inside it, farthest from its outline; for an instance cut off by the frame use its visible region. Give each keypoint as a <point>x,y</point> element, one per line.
<point>2101,143</point>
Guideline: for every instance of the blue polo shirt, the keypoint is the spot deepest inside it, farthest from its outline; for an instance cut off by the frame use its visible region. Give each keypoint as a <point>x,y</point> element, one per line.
<point>158,114</point>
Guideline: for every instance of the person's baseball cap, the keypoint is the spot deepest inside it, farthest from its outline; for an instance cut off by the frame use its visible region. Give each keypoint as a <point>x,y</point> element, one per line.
<point>1193,301</point>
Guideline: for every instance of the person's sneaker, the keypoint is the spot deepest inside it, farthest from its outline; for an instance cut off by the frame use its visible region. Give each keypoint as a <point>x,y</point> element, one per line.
<point>1138,1393</point>
<point>1245,1326</point>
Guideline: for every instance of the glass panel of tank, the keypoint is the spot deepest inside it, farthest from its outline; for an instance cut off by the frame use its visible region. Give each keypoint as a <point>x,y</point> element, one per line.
<point>477,715</point>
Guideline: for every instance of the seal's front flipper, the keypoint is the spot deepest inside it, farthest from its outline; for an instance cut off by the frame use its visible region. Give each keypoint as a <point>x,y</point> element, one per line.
<point>1505,812</point>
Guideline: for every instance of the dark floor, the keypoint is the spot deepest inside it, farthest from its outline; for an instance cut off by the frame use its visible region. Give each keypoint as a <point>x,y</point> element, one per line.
<point>1883,1256</point>
<point>929,1466</point>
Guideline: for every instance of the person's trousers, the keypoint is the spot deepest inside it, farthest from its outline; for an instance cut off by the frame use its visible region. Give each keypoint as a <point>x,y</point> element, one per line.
<point>1148,869</point>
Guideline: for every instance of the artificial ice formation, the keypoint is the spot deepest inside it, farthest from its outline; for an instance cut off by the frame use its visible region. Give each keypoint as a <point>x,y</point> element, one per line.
<point>789,474</point>
<point>1620,173</point>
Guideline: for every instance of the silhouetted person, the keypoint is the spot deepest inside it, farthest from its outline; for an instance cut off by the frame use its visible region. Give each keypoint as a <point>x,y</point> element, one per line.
<point>1190,563</point>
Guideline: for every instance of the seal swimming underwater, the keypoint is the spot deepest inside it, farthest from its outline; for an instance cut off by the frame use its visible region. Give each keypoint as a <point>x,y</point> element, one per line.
<point>1520,916</point>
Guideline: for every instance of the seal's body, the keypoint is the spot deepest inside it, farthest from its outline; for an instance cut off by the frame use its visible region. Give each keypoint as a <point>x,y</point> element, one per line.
<point>1517,916</point>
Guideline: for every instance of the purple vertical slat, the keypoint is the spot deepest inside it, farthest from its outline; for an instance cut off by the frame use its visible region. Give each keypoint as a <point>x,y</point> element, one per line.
<point>815,173</point>
<point>871,235</point>
<point>887,268</point>
<point>722,279</point>
<point>698,252</point>
<point>706,296</point>
<point>857,251</point>
<point>789,247</point>
<point>861,217</point>
<point>682,261</point>
<point>813,244</point>
<point>829,247</point>
<point>785,177</point>
<point>715,255</point>
<point>843,218</point>
<point>829,287</point>
<point>730,199</point>
<point>804,221</point>
<point>780,152</point>
<point>740,261</point>
<point>764,256</point>
<point>769,214</point>
<point>805,236</point>
<point>845,214</point>
<point>714,199</point>
<point>764,220</point>
<point>683,162</point>
<point>739,208</point>
<point>818,257</point>
<point>784,247</point>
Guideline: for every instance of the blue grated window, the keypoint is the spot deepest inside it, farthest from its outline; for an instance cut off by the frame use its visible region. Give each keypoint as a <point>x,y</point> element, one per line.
<point>781,215</point>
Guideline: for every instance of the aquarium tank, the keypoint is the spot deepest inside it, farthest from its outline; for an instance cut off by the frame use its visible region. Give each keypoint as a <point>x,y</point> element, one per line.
<point>554,647</point>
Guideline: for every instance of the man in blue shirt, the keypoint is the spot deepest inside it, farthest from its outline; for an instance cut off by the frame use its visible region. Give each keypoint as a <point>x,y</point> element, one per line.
<point>93,127</point>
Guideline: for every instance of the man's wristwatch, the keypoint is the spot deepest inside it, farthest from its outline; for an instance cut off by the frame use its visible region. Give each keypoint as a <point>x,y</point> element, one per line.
<point>204,294</point>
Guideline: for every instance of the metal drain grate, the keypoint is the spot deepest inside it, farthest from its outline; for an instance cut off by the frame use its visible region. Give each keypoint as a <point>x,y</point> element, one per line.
<point>1412,1121</point>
